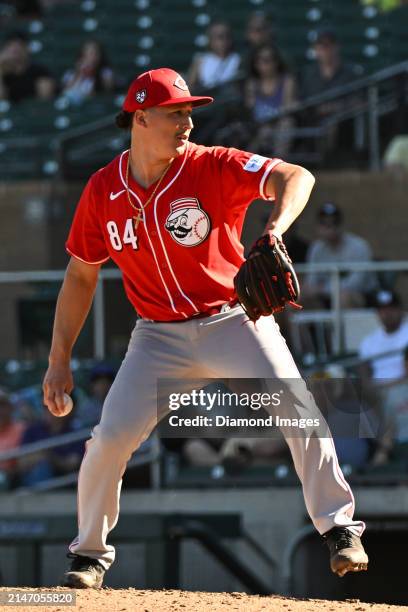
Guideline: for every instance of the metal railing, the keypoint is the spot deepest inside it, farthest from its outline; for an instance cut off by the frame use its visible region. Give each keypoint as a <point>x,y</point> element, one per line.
<point>99,337</point>
<point>335,270</point>
<point>151,457</point>
<point>367,101</point>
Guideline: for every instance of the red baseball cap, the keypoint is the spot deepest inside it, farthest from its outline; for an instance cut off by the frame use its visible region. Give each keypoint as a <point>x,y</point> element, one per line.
<point>161,87</point>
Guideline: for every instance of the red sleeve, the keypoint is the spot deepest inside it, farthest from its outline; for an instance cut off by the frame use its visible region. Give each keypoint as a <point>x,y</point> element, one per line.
<point>85,239</point>
<point>244,176</point>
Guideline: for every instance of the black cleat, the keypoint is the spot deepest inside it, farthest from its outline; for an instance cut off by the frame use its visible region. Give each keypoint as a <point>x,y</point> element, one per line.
<point>84,573</point>
<point>346,551</point>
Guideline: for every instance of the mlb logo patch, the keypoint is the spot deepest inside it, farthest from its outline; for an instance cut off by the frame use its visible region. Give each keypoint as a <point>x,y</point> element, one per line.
<point>141,96</point>
<point>255,163</point>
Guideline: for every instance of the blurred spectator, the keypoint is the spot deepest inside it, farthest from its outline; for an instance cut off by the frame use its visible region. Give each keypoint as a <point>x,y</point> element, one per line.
<point>328,72</point>
<point>217,66</point>
<point>390,336</point>
<point>239,453</point>
<point>91,74</point>
<point>269,89</point>
<point>52,462</point>
<point>20,78</point>
<point>393,441</point>
<point>353,423</point>
<point>335,245</point>
<point>259,32</point>
<point>11,433</point>
<point>90,410</point>
<point>201,451</point>
<point>234,453</point>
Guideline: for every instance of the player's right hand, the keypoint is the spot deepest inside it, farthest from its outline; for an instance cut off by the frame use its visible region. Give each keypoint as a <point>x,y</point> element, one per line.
<point>57,381</point>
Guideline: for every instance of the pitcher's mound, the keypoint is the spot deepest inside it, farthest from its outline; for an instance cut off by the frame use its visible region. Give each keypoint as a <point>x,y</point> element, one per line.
<point>133,600</point>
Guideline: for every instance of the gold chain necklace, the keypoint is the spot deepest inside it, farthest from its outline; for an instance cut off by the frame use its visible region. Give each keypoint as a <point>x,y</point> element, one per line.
<point>139,217</point>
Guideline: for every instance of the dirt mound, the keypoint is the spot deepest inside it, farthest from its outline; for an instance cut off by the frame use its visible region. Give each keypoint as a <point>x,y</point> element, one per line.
<point>133,600</point>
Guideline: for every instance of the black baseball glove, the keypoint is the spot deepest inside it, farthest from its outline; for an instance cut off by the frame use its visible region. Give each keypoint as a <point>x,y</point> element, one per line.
<point>267,280</point>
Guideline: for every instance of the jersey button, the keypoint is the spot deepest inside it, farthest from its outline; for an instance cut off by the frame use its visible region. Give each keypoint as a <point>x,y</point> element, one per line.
<point>153,233</point>
<point>163,266</point>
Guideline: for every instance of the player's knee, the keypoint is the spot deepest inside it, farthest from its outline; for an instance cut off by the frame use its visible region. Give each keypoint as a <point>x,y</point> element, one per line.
<point>116,441</point>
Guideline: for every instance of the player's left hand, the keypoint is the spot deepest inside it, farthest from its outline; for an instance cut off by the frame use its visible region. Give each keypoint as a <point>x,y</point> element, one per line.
<point>267,280</point>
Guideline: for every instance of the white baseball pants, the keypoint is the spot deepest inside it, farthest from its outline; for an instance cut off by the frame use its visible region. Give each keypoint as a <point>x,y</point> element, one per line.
<point>224,345</point>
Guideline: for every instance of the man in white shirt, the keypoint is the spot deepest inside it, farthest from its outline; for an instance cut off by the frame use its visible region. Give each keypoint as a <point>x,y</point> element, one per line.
<point>335,245</point>
<point>390,337</point>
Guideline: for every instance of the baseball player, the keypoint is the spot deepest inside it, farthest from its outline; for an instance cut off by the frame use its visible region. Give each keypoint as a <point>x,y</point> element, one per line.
<point>169,213</point>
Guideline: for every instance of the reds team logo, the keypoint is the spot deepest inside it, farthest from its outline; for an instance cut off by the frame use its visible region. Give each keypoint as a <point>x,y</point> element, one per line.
<point>180,83</point>
<point>187,222</point>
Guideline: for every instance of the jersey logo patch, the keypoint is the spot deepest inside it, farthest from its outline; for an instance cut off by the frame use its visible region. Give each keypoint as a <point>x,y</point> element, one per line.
<point>255,163</point>
<point>141,96</point>
<point>187,223</point>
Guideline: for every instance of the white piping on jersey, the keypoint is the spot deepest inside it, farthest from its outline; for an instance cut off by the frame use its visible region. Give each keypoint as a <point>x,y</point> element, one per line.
<point>91,263</point>
<point>268,170</point>
<point>160,236</point>
<point>148,237</point>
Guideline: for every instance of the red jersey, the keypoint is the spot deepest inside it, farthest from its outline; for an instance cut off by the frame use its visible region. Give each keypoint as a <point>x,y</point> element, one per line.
<point>183,256</point>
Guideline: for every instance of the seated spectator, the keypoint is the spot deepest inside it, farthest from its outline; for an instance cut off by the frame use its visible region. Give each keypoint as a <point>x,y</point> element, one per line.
<point>335,245</point>
<point>353,422</point>
<point>240,453</point>
<point>52,462</point>
<point>234,453</point>
<point>89,411</point>
<point>390,336</point>
<point>328,72</point>
<point>91,74</point>
<point>11,433</point>
<point>393,441</point>
<point>269,89</point>
<point>20,78</point>
<point>217,66</point>
<point>258,32</point>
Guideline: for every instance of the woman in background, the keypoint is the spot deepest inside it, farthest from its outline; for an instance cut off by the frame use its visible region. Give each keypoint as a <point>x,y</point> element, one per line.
<point>90,75</point>
<point>220,64</point>
<point>269,89</point>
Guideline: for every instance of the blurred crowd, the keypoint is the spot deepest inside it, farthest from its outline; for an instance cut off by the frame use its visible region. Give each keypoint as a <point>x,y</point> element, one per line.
<point>366,409</point>
<point>252,74</point>
<point>24,421</point>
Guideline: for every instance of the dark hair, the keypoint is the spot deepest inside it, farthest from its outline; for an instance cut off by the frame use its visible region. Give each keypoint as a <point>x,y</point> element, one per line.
<point>123,120</point>
<point>281,65</point>
<point>102,63</point>
<point>406,353</point>
<point>17,35</point>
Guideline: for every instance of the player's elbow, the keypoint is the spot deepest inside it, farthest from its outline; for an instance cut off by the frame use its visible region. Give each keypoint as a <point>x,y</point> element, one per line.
<point>294,172</point>
<point>306,176</point>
